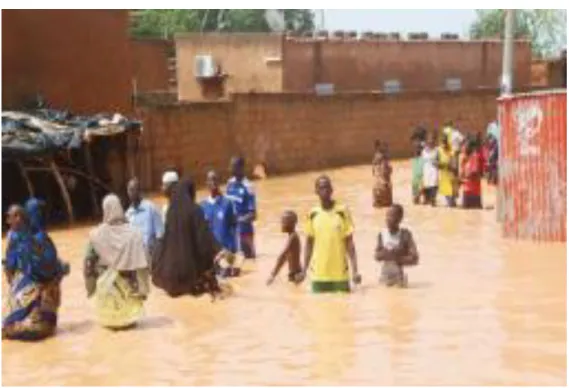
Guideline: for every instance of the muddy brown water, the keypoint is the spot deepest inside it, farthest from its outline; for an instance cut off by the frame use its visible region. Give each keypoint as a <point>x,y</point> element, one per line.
<point>480,310</point>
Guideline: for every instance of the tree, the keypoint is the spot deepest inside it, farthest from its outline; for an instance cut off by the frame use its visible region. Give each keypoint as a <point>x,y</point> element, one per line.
<point>545,28</point>
<point>164,23</point>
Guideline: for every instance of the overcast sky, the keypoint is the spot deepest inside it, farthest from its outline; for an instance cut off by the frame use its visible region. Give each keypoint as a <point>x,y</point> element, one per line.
<point>398,20</point>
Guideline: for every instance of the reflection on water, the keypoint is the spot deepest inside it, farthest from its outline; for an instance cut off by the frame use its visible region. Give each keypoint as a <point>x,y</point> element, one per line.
<point>479,310</point>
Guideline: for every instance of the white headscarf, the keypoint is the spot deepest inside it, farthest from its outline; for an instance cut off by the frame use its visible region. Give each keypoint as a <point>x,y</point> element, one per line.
<point>117,244</point>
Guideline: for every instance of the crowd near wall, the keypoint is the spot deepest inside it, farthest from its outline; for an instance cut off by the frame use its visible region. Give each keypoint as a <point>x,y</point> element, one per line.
<point>290,132</point>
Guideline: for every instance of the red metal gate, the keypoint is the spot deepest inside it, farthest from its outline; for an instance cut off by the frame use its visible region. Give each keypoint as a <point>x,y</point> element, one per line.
<point>533,165</point>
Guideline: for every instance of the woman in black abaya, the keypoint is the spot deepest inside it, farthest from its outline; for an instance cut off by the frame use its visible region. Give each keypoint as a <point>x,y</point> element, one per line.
<point>183,263</point>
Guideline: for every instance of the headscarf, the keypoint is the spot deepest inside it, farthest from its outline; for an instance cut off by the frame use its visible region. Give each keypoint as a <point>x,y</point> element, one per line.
<point>170,177</point>
<point>30,250</point>
<point>34,207</point>
<point>118,245</point>
<point>184,259</point>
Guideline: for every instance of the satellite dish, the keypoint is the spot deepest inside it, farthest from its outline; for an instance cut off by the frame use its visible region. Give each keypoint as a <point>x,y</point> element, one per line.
<point>275,19</point>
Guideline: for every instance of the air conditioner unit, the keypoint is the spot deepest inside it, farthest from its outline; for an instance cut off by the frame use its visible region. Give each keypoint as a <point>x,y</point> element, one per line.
<point>392,86</point>
<point>324,89</point>
<point>204,66</point>
<point>453,84</point>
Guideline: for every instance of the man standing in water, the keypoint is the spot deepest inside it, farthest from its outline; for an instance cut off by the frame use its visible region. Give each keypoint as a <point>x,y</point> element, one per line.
<point>240,191</point>
<point>220,215</point>
<point>329,231</point>
<point>143,215</point>
<point>169,180</point>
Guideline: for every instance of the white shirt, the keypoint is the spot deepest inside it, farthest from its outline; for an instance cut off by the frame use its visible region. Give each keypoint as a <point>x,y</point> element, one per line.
<point>430,171</point>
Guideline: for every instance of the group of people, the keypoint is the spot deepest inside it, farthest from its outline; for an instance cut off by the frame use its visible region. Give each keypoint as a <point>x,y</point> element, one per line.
<point>445,164</point>
<point>184,250</point>
<point>180,250</point>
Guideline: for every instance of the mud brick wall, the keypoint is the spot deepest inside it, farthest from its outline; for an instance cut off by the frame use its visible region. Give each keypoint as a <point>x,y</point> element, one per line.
<point>150,63</point>
<point>250,60</point>
<point>77,59</point>
<point>298,132</point>
<point>357,65</point>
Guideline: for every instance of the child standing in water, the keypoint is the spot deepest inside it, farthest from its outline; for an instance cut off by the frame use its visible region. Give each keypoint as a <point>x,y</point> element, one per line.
<point>417,174</point>
<point>329,240</point>
<point>447,172</point>
<point>240,191</point>
<point>472,176</point>
<point>382,190</point>
<point>291,251</point>
<point>396,249</point>
<point>430,170</point>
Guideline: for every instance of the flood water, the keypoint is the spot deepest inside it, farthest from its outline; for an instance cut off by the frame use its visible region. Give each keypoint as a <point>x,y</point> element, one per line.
<point>480,310</point>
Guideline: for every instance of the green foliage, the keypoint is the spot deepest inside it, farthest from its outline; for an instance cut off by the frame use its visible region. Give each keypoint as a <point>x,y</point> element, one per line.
<point>545,28</point>
<point>165,23</point>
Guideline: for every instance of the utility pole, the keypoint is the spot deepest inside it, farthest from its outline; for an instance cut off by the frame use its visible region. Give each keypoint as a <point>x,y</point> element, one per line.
<point>508,53</point>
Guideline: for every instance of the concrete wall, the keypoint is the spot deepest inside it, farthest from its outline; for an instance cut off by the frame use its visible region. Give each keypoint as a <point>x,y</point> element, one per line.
<point>241,56</point>
<point>78,59</point>
<point>359,65</point>
<point>297,132</point>
<point>150,63</point>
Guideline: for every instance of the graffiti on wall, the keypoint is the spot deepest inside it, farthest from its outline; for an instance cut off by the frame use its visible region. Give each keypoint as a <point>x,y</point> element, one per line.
<point>528,116</point>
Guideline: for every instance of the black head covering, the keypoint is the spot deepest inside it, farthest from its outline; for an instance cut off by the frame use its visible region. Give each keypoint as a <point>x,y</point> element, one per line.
<point>183,262</point>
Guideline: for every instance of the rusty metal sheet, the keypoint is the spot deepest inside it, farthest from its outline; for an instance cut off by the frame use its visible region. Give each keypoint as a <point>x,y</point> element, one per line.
<point>533,165</point>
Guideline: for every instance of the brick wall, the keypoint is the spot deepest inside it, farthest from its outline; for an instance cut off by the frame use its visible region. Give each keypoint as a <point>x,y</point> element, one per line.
<point>150,63</point>
<point>79,59</point>
<point>297,132</point>
<point>359,65</point>
<point>241,56</point>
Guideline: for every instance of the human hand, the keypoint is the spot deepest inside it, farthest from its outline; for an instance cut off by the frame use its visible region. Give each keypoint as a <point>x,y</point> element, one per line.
<point>356,278</point>
<point>270,280</point>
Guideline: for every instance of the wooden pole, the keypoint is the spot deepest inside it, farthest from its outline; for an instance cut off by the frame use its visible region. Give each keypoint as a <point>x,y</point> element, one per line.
<point>26,179</point>
<point>76,172</point>
<point>64,192</point>
<point>91,170</point>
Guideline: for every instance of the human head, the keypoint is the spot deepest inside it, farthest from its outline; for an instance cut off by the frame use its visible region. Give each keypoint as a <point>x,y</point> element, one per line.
<point>471,145</point>
<point>34,209</point>
<point>237,167</point>
<point>445,142</point>
<point>169,180</point>
<point>288,221</point>
<point>133,191</point>
<point>394,216</point>
<point>377,145</point>
<point>113,212</point>
<point>212,181</point>
<point>432,139</point>
<point>418,148</point>
<point>324,189</point>
<point>16,217</point>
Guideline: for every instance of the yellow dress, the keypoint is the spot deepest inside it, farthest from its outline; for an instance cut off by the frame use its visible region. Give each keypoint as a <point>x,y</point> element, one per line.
<point>446,177</point>
<point>116,303</point>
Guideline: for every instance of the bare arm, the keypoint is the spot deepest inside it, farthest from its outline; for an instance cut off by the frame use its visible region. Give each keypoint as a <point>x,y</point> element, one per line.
<point>90,270</point>
<point>412,255</point>
<point>351,248</point>
<point>308,252</point>
<point>283,256</point>
<point>381,254</point>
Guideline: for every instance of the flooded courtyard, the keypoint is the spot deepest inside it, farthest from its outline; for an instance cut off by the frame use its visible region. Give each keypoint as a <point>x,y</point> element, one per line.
<point>479,310</point>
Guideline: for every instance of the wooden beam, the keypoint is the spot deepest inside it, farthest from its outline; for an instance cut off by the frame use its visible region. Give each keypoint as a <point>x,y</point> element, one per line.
<point>64,192</point>
<point>26,179</point>
<point>91,170</point>
<point>76,172</point>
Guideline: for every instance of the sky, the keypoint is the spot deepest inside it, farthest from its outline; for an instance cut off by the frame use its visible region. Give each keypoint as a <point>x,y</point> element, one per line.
<point>432,21</point>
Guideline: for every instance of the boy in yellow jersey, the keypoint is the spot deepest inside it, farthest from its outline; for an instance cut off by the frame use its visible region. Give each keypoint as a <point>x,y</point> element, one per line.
<point>329,230</point>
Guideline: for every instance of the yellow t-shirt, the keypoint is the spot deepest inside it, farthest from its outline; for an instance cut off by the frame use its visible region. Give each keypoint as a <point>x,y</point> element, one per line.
<point>446,178</point>
<point>329,228</point>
